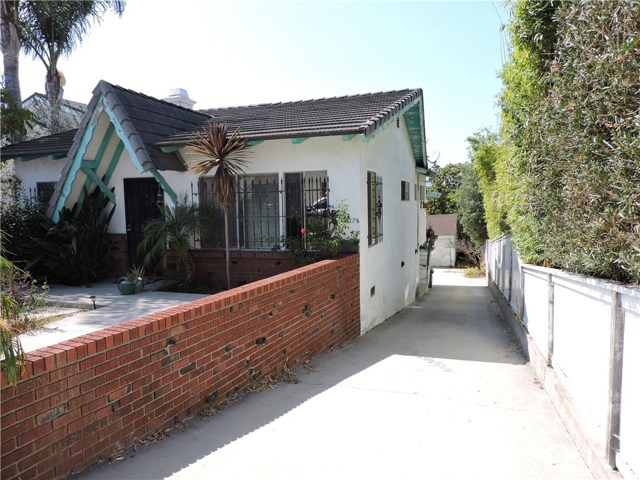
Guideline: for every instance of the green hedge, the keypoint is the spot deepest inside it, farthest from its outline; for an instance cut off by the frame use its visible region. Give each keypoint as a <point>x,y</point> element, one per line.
<point>571,131</point>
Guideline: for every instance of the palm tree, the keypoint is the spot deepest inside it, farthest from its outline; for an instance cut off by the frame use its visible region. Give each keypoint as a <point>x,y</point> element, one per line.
<point>50,29</point>
<point>10,45</point>
<point>227,154</point>
<point>172,231</point>
<point>11,352</point>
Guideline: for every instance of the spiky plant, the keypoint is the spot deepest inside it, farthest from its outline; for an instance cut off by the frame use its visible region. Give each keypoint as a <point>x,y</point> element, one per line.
<point>227,155</point>
<point>10,346</point>
<point>172,232</point>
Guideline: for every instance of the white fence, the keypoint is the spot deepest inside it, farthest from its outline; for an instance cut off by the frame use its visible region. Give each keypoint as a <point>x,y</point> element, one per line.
<point>588,331</point>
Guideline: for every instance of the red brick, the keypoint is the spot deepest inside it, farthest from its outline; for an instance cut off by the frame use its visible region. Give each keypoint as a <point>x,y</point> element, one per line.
<point>115,395</point>
<point>82,422</point>
<point>51,389</point>
<point>34,459</point>
<point>107,366</point>
<point>9,471</point>
<point>37,362</point>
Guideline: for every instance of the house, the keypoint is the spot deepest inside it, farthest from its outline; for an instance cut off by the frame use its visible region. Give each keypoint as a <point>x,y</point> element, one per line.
<point>71,114</point>
<point>366,151</point>
<point>40,161</point>
<point>446,229</point>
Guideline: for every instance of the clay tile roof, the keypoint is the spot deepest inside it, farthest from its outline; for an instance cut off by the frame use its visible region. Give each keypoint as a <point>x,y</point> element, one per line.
<point>56,145</point>
<point>446,224</point>
<point>150,124</point>
<point>145,120</point>
<point>351,114</point>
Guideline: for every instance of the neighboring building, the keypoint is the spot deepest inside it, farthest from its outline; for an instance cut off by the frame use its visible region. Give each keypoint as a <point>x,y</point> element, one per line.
<point>40,164</point>
<point>366,150</point>
<point>446,228</point>
<point>71,114</point>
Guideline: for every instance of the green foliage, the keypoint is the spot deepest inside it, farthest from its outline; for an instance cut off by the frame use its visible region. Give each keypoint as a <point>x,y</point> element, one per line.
<point>470,211</point>
<point>569,169</point>
<point>21,220</point>
<point>446,181</point>
<point>19,295</point>
<point>15,119</point>
<point>173,232</point>
<point>325,236</point>
<point>76,250</point>
<point>486,155</point>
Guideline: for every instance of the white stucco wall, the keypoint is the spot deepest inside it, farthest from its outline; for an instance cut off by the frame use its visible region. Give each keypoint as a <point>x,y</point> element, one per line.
<point>444,252</point>
<point>381,266</point>
<point>38,170</point>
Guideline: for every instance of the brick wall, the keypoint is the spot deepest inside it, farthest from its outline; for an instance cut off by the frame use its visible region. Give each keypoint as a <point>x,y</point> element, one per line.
<point>120,262</point>
<point>83,399</point>
<point>246,267</point>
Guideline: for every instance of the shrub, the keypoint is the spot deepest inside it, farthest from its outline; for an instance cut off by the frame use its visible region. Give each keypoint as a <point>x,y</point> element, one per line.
<point>76,250</point>
<point>571,169</point>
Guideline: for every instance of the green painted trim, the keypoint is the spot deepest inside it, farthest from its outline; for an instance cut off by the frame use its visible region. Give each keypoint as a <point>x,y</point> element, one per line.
<point>101,185</point>
<point>348,138</point>
<point>298,140</point>
<point>76,164</point>
<point>422,170</point>
<point>114,162</point>
<point>171,149</point>
<point>123,137</point>
<point>390,121</point>
<point>253,143</point>
<point>165,186</point>
<point>96,162</point>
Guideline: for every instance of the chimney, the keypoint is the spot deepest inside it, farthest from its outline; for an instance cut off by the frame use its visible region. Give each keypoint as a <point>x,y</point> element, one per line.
<point>180,97</point>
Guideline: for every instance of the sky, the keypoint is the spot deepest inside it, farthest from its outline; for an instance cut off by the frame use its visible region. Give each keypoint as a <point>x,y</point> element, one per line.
<point>231,53</point>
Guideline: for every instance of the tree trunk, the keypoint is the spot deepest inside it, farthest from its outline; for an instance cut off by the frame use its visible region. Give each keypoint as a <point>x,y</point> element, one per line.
<point>53,87</point>
<point>10,45</point>
<point>226,244</point>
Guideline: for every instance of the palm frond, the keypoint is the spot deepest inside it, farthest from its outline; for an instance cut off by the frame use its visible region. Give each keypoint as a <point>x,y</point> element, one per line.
<point>227,154</point>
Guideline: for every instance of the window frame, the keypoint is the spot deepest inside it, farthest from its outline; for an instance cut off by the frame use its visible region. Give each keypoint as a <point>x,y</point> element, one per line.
<point>375,208</point>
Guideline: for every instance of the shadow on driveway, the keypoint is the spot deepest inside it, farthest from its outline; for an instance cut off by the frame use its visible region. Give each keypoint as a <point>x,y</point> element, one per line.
<point>419,393</point>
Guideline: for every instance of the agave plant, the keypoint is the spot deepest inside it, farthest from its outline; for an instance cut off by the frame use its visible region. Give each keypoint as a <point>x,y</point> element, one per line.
<point>227,155</point>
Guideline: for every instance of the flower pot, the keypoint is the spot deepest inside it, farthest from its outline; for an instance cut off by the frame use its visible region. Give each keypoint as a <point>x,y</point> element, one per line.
<point>126,286</point>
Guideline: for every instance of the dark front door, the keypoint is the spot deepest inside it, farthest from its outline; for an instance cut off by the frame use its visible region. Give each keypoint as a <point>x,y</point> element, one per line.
<point>141,197</point>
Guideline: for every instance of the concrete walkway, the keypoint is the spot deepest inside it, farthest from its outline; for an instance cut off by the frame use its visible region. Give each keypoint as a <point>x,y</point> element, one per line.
<point>439,391</point>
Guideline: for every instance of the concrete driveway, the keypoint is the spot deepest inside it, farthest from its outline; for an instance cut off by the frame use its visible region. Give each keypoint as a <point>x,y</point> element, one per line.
<point>439,391</point>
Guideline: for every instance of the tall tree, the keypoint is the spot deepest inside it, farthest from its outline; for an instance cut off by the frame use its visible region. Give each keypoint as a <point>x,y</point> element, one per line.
<point>445,180</point>
<point>227,155</point>
<point>470,206</point>
<point>10,45</point>
<point>50,29</point>
<point>486,154</point>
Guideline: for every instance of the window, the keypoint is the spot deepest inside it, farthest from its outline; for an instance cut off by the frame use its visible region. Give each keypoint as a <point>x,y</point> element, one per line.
<point>374,210</point>
<point>44,191</point>
<point>405,191</point>
<point>259,218</point>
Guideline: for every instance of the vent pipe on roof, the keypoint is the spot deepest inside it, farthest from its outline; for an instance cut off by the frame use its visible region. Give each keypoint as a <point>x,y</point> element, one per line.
<point>180,97</point>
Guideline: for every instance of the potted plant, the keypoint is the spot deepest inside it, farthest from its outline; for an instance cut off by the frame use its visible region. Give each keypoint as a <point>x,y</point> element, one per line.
<point>133,282</point>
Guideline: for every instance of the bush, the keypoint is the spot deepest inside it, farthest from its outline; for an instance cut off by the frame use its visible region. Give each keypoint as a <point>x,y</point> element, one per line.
<point>20,220</point>
<point>326,236</point>
<point>76,250</point>
<point>571,130</point>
